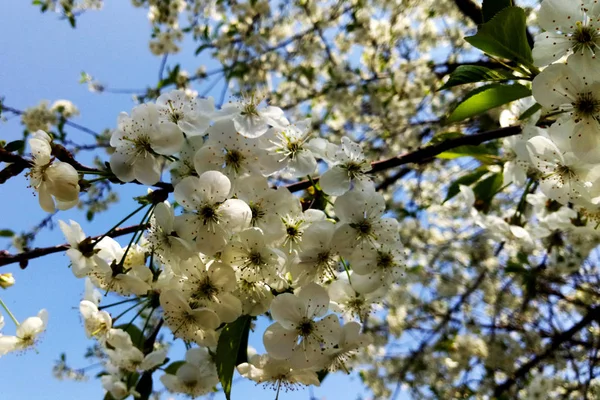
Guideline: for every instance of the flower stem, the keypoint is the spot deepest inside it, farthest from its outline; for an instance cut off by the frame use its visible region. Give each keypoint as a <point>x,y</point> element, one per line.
<point>9,313</point>
<point>346,268</point>
<point>126,311</point>
<point>120,222</point>
<point>136,234</point>
<point>117,303</point>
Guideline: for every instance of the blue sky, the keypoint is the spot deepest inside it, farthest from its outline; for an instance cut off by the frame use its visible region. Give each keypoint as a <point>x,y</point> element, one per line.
<point>42,58</point>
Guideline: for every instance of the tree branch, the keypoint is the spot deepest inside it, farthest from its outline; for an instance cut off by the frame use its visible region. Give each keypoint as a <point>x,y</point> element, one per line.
<point>424,154</point>
<point>17,165</point>
<point>418,156</point>
<point>22,258</point>
<point>593,314</point>
<point>67,122</point>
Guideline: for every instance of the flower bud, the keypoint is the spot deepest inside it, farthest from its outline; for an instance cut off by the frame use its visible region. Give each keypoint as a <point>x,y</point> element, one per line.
<point>6,280</point>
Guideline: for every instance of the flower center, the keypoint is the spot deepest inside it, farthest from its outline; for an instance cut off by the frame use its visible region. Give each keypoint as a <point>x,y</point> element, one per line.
<point>305,328</point>
<point>206,290</point>
<point>257,212</point>
<point>353,168</point>
<point>208,213</point>
<point>293,148</point>
<point>250,110</point>
<point>363,227</point>
<point>584,37</point>
<point>384,260</point>
<point>233,159</point>
<point>323,257</point>
<point>587,105</point>
<point>565,172</point>
<point>255,258</point>
<point>176,116</point>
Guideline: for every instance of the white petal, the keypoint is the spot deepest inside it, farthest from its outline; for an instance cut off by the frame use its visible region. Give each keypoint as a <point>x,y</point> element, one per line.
<point>279,342</point>
<point>316,300</point>
<point>335,182</point>
<point>168,139</point>
<point>147,169</point>
<point>288,310</point>
<point>215,186</point>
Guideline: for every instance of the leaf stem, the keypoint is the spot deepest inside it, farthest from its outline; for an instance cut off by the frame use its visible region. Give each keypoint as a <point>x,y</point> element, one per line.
<point>9,313</point>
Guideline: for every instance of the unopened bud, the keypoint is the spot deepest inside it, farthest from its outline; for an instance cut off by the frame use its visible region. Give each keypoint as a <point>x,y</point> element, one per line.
<point>6,280</point>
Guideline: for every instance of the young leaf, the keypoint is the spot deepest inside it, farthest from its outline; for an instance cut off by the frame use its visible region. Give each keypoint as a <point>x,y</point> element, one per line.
<point>6,233</point>
<point>134,332</point>
<point>530,111</point>
<point>468,179</point>
<point>174,367</point>
<point>491,7</point>
<point>230,349</point>
<point>475,73</point>
<point>441,137</point>
<point>486,98</point>
<point>483,153</point>
<point>488,188</point>
<point>505,36</point>
<point>14,145</point>
<point>144,386</point>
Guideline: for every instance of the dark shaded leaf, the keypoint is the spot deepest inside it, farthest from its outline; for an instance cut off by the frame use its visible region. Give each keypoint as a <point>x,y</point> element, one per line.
<point>322,374</point>
<point>443,136</point>
<point>15,145</point>
<point>468,179</point>
<point>144,386</point>
<point>505,36</point>
<point>488,188</point>
<point>6,233</point>
<point>173,367</point>
<point>474,73</point>
<point>530,111</point>
<point>134,332</point>
<point>491,7</point>
<point>230,345</point>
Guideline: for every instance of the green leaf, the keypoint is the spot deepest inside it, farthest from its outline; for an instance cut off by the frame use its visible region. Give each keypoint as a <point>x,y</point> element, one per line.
<point>468,179</point>
<point>483,153</point>
<point>174,367</point>
<point>530,111</point>
<point>6,233</point>
<point>515,267</point>
<point>202,47</point>
<point>488,188</point>
<point>14,145</point>
<point>505,36</point>
<point>144,386</point>
<point>230,349</point>
<point>134,332</point>
<point>443,136</point>
<point>474,73</point>
<point>491,7</point>
<point>487,97</point>
<point>108,396</point>
<point>322,374</point>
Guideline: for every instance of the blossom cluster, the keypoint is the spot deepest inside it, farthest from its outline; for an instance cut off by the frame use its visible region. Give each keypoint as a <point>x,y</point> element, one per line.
<point>234,245</point>
<point>566,155</point>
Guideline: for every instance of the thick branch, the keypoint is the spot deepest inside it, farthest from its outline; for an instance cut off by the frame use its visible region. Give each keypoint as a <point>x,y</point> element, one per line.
<point>418,156</point>
<point>17,165</point>
<point>6,258</point>
<point>426,153</point>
